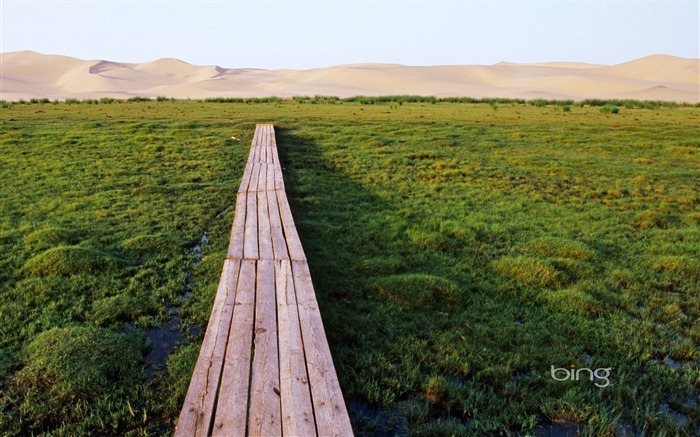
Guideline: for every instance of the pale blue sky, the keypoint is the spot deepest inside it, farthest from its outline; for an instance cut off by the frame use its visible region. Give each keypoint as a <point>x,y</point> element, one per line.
<point>305,34</point>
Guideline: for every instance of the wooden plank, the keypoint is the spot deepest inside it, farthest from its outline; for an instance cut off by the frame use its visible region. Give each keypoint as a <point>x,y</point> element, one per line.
<point>254,145</point>
<point>254,177</point>
<point>279,244</point>
<point>235,247</point>
<point>247,172</point>
<point>265,148</point>
<point>262,178</point>
<point>329,406</point>
<point>250,245</point>
<point>270,183</point>
<point>297,412</point>
<point>265,142</point>
<point>296,251</point>
<point>256,136</point>
<point>258,145</point>
<point>279,178</point>
<point>245,180</point>
<point>273,145</point>
<point>198,410</point>
<point>232,405</point>
<point>265,409</point>
<point>264,232</point>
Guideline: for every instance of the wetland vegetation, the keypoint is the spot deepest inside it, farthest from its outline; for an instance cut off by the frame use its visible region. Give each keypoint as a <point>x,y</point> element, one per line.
<point>459,249</point>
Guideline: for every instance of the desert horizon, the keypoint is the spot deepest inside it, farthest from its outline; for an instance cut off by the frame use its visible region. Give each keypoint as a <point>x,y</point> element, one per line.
<point>28,74</point>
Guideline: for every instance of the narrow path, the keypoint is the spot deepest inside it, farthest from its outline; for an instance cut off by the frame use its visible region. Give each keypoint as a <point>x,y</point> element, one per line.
<point>264,368</point>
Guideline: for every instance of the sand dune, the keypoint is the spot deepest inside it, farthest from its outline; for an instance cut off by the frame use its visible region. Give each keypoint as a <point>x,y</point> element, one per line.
<point>28,74</point>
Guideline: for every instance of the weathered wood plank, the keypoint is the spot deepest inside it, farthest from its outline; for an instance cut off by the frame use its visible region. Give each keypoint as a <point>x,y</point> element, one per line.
<point>265,148</point>
<point>329,407</point>
<point>297,412</point>
<point>296,251</point>
<point>232,405</point>
<point>263,139</point>
<point>279,244</point>
<point>270,182</point>
<point>258,147</point>
<point>264,231</point>
<point>235,247</point>
<point>273,147</point>
<point>256,137</point>
<point>245,180</point>
<point>198,411</point>
<point>265,409</point>
<point>269,135</point>
<point>279,179</point>
<point>262,178</point>
<point>254,176</point>
<point>250,245</point>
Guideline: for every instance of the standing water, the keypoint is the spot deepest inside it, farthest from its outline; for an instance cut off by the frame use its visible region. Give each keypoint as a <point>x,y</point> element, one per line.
<point>165,337</point>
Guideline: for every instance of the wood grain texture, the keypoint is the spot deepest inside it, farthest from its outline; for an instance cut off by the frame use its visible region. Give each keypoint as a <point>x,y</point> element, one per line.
<point>245,180</point>
<point>262,177</point>
<point>279,179</point>
<point>232,405</point>
<point>264,230</point>
<point>296,251</point>
<point>329,407</point>
<point>264,414</point>
<point>273,147</point>
<point>250,245</point>
<point>198,410</point>
<point>270,182</point>
<point>297,412</point>
<point>235,247</point>
<point>279,244</point>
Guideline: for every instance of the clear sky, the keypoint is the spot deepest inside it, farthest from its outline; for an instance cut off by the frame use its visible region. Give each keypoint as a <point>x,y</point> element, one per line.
<point>305,34</point>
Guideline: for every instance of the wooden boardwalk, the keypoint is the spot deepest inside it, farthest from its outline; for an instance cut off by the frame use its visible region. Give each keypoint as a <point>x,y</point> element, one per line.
<point>264,368</point>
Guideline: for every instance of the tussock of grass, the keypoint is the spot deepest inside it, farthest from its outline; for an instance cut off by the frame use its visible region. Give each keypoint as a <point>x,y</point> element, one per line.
<point>570,300</point>
<point>69,260</point>
<point>559,248</point>
<point>415,289</point>
<point>118,309</point>
<point>69,373</point>
<point>50,236</point>
<point>528,271</point>
<point>385,265</point>
<point>682,266</point>
<point>650,219</point>
<point>145,244</point>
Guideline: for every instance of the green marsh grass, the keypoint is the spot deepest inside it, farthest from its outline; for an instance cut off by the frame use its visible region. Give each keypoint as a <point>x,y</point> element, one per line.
<point>457,252</point>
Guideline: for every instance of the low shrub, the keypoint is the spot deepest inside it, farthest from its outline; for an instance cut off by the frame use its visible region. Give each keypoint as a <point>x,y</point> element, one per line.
<point>609,109</point>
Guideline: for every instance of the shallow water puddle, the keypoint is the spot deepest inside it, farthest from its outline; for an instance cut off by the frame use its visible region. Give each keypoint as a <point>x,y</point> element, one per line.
<point>163,339</point>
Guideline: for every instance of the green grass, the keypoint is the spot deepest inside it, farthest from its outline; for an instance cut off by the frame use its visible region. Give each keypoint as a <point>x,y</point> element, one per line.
<point>457,251</point>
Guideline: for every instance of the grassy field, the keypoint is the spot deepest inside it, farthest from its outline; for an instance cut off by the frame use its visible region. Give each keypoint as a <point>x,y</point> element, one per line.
<point>459,251</point>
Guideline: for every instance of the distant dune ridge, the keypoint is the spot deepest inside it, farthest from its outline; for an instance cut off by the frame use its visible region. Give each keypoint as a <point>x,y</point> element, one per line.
<point>27,74</point>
